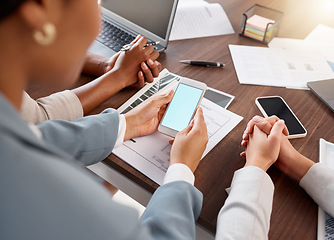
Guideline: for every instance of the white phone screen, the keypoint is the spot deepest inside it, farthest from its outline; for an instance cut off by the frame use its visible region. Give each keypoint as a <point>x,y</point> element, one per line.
<point>182,107</point>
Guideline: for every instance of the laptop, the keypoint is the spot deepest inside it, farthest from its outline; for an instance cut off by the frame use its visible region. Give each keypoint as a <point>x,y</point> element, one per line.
<point>324,90</point>
<point>123,20</point>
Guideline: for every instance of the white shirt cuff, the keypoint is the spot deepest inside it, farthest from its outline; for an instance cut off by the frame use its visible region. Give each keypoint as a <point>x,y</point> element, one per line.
<point>179,172</point>
<point>121,131</point>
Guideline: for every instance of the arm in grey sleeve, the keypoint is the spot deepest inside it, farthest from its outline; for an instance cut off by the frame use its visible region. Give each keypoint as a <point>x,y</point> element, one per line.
<point>172,211</point>
<point>246,212</point>
<point>89,139</point>
<point>318,182</point>
<point>62,105</point>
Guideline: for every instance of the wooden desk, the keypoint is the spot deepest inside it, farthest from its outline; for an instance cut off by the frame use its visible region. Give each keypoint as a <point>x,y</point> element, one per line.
<point>294,212</point>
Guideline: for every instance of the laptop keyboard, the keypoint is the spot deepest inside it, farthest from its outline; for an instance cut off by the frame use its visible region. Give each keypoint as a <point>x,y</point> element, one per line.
<point>114,37</point>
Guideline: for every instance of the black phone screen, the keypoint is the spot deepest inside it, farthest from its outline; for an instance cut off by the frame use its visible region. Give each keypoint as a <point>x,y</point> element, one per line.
<point>275,106</point>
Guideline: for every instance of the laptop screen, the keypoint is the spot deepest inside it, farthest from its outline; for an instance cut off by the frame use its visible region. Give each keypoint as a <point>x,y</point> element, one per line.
<point>152,15</point>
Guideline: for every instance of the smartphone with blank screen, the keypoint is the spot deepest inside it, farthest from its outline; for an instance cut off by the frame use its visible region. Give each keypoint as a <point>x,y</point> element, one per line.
<point>187,97</point>
<point>275,105</point>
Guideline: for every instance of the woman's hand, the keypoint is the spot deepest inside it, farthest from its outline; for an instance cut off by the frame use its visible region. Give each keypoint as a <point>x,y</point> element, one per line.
<point>190,143</point>
<point>137,65</point>
<point>262,149</point>
<point>145,118</point>
<point>145,71</point>
<point>290,161</point>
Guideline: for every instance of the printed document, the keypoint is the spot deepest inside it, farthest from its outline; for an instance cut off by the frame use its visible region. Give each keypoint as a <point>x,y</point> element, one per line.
<point>195,19</point>
<point>323,47</point>
<point>150,154</point>
<point>279,67</point>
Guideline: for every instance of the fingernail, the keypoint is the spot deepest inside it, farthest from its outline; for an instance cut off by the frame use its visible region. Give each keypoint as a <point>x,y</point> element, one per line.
<point>282,121</point>
<point>145,66</point>
<point>141,74</point>
<point>257,119</point>
<point>247,130</point>
<point>150,62</point>
<point>244,135</point>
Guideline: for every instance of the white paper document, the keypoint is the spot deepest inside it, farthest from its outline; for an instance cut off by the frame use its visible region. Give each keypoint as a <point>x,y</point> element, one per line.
<point>279,67</point>
<point>322,47</point>
<point>325,221</point>
<point>321,33</point>
<point>195,19</point>
<point>150,154</point>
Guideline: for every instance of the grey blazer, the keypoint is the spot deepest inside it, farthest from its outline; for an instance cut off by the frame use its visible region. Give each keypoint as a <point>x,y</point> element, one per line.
<point>46,193</point>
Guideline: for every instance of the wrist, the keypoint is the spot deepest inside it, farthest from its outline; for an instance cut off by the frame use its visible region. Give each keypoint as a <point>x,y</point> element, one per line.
<point>262,164</point>
<point>130,131</point>
<point>299,167</point>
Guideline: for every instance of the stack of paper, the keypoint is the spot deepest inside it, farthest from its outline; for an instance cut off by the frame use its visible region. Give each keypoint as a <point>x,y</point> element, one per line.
<point>256,27</point>
<point>198,18</point>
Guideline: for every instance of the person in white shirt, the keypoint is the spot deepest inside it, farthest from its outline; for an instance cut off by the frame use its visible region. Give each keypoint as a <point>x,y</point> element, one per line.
<point>315,178</point>
<point>247,210</point>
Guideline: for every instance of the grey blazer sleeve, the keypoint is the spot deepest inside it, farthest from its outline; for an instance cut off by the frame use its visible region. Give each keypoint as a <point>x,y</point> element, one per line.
<point>246,212</point>
<point>318,182</point>
<point>89,139</point>
<point>172,211</point>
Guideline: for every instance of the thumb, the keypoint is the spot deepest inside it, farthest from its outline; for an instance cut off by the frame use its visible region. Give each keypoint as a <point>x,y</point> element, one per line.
<point>163,99</point>
<point>277,130</point>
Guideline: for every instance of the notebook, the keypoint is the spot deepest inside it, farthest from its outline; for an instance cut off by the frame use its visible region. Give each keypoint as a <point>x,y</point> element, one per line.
<point>324,90</point>
<point>124,20</point>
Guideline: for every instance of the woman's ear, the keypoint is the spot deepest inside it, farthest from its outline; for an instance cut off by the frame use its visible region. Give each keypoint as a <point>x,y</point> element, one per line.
<point>35,14</point>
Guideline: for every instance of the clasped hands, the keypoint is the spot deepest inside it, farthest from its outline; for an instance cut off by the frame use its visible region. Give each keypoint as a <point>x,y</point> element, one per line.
<point>135,66</point>
<point>266,144</point>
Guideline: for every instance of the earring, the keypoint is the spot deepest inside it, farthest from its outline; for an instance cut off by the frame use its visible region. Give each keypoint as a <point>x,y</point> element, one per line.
<point>47,37</point>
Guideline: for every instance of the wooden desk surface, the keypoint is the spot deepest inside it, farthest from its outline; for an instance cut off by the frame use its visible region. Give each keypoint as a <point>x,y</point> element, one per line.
<point>294,213</point>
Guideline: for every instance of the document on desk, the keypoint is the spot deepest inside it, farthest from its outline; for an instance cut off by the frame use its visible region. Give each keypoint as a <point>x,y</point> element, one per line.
<point>325,221</point>
<point>150,154</point>
<point>326,48</point>
<point>196,18</point>
<point>279,67</point>
<point>321,33</point>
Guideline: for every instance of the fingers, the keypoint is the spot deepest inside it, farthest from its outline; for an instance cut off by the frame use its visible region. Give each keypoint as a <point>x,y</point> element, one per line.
<point>187,129</point>
<point>161,100</point>
<point>147,72</point>
<point>276,132</point>
<point>141,80</point>
<point>265,124</point>
<point>135,40</point>
<point>199,123</point>
<point>262,124</point>
<point>141,42</point>
<point>154,66</point>
<point>154,55</point>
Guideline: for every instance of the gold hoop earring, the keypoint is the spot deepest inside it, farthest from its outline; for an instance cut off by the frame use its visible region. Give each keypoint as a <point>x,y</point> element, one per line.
<point>47,37</point>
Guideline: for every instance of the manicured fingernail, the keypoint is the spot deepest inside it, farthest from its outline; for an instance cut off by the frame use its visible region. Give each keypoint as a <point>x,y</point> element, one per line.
<point>247,130</point>
<point>244,136</point>
<point>150,62</point>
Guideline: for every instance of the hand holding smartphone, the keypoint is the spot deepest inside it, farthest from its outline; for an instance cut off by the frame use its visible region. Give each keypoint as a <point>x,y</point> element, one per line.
<point>187,97</point>
<point>275,105</point>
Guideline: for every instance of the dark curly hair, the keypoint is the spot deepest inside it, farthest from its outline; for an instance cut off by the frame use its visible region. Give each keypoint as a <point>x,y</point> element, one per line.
<point>7,7</point>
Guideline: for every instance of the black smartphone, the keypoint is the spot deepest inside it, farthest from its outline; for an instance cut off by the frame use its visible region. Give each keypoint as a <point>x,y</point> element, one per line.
<point>275,105</point>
